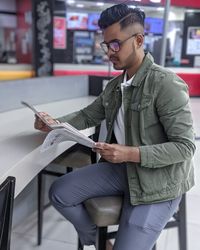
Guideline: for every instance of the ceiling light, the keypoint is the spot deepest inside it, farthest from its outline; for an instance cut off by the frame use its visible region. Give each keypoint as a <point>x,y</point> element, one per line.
<point>100,4</point>
<point>70,1</point>
<point>80,5</point>
<point>155,1</point>
<point>132,6</point>
<point>137,0</point>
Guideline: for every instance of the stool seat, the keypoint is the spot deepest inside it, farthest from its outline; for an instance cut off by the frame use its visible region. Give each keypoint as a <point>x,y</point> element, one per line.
<point>74,159</point>
<point>105,210</point>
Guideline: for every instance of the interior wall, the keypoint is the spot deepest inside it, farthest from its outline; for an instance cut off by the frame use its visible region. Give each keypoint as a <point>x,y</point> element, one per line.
<point>8,5</point>
<point>8,21</point>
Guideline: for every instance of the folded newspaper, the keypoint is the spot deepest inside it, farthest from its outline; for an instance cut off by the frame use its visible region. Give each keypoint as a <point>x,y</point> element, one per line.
<point>61,132</point>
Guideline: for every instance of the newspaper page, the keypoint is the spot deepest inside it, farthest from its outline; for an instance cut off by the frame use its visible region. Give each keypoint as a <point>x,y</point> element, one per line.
<point>61,132</point>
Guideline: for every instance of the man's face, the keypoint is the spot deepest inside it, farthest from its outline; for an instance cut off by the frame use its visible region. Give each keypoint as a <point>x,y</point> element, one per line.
<point>128,50</point>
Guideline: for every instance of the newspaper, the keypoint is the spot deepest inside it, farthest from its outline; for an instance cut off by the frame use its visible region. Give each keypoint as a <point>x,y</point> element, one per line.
<point>61,132</point>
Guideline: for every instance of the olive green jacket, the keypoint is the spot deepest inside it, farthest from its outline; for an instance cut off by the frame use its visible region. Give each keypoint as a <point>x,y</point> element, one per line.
<point>157,120</point>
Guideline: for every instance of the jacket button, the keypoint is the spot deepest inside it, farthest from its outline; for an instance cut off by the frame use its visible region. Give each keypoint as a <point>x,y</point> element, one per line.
<point>139,106</point>
<point>106,104</point>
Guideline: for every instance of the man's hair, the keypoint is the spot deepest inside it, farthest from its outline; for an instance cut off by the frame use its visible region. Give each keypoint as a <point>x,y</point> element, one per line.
<point>123,14</point>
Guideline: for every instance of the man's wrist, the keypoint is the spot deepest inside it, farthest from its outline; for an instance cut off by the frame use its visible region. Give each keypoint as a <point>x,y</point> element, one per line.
<point>133,154</point>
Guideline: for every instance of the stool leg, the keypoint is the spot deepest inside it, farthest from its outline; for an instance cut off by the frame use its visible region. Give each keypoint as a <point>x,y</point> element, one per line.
<point>40,207</point>
<point>182,228</point>
<point>69,169</point>
<point>101,238</point>
<point>80,247</point>
<point>93,157</point>
<point>154,247</point>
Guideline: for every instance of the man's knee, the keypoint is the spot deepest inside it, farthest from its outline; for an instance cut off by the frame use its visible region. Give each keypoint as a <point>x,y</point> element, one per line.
<point>61,193</point>
<point>53,193</point>
<point>57,194</point>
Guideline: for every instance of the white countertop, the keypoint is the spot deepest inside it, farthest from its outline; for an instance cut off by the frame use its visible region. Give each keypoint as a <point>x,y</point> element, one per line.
<point>20,154</point>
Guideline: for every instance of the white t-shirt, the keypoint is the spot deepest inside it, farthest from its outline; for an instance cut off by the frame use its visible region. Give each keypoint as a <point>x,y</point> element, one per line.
<point>119,130</point>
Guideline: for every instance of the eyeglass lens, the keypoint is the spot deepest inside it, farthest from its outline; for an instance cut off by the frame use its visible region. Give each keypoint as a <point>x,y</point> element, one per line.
<point>114,46</point>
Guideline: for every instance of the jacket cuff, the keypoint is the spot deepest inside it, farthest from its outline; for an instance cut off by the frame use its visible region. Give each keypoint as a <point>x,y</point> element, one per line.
<point>146,156</point>
<point>61,119</point>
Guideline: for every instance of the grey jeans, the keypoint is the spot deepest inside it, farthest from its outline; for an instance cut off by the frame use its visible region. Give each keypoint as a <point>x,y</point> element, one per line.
<point>139,227</point>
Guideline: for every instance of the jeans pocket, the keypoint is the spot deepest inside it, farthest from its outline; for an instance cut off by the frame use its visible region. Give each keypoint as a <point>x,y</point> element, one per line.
<point>174,204</point>
<point>153,216</point>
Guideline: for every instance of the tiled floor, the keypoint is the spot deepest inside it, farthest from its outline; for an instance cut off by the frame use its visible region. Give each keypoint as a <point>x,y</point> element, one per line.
<point>60,234</point>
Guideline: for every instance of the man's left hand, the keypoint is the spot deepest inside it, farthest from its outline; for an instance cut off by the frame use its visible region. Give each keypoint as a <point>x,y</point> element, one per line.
<point>116,153</point>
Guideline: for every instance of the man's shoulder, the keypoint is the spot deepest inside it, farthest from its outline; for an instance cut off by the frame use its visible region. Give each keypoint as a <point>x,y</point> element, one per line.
<point>162,75</point>
<point>162,71</point>
<point>163,79</point>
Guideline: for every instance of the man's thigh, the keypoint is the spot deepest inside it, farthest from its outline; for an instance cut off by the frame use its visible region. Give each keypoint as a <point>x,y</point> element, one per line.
<point>141,225</point>
<point>101,179</point>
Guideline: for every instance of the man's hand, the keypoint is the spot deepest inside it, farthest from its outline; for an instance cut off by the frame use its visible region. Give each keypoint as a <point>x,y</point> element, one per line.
<point>116,153</point>
<point>40,125</point>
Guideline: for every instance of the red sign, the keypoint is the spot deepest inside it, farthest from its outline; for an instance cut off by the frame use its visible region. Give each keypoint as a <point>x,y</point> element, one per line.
<point>186,3</point>
<point>59,39</point>
<point>24,45</point>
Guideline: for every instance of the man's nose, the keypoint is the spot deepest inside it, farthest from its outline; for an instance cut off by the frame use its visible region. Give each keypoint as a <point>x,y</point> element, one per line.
<point>110,52</point>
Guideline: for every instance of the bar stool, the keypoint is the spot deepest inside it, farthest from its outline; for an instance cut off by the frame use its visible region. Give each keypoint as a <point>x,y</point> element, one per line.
<point>105,211</point>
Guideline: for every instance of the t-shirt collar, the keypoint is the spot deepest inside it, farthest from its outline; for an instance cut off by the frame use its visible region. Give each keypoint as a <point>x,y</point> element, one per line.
<point>126,82</point>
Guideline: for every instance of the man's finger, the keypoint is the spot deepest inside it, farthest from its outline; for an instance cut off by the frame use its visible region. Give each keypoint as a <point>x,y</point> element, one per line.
<point>102,145</point>
<point>98,145</point>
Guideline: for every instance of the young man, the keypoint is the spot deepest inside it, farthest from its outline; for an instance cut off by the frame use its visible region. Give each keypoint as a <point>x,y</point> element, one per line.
<point>146,109</point>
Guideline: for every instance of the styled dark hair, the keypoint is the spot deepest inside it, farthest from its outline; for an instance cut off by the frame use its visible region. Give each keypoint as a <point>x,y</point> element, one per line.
<point>123,14</point>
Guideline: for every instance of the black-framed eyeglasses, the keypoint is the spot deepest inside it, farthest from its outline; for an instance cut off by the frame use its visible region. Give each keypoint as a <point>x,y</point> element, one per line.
<point>115,45</point>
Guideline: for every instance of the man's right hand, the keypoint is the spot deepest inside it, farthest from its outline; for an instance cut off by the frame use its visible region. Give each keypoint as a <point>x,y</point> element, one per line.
<point>40,125</point>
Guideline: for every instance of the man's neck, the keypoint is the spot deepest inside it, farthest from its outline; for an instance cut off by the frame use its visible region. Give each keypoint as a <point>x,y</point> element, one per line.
<point>132,71</point>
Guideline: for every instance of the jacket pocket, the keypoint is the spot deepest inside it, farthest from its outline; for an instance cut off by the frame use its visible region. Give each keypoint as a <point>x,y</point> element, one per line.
<point>153,181</point>
<point>148,114</point>
<point>136,109</point>
<point>139,106</point>
<point>151,129</point>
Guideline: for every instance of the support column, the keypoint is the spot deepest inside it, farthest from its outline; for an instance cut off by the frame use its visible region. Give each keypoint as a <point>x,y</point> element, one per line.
<point>43,37</point>
<point>165,29</point>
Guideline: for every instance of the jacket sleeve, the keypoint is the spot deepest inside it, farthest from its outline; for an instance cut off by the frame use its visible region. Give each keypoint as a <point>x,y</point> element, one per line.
<point>90,116</point>
<point>172,104</point>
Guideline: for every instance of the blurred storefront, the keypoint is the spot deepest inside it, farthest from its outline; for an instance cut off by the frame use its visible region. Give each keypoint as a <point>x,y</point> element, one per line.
<point>76,36</point>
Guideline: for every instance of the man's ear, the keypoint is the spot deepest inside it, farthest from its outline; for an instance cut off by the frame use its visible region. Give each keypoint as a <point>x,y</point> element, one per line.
<point>139,40</point>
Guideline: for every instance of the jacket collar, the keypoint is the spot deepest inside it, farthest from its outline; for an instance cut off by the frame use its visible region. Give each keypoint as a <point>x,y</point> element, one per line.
<point>143,70</point>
